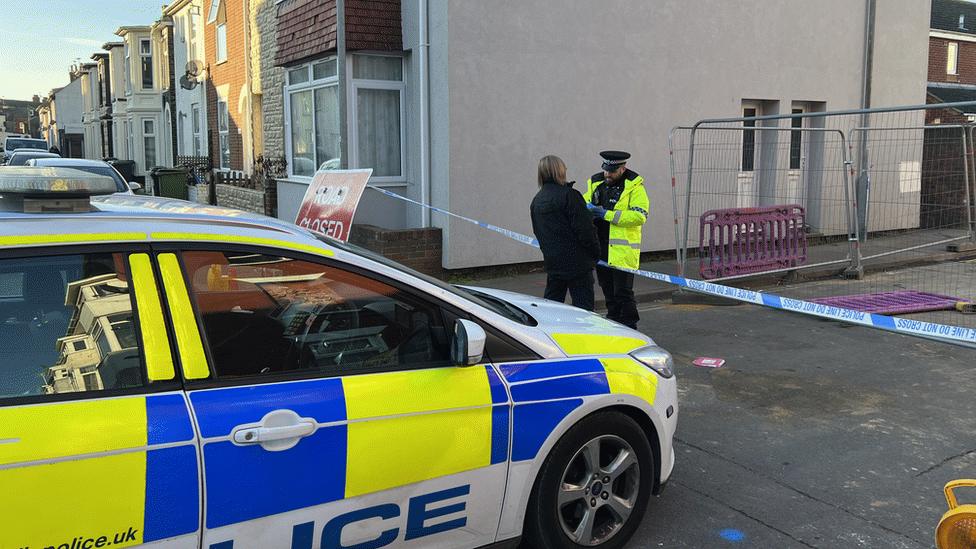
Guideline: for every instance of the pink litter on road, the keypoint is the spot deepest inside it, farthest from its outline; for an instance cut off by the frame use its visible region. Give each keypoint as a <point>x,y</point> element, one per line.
<point>705,362</point>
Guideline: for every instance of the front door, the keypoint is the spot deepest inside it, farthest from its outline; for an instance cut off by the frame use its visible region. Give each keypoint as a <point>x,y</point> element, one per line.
<point>96,443</point>
<point>330,414</point>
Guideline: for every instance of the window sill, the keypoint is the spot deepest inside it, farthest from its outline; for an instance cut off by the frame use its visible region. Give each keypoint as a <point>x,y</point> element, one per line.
<point>389,184</point>
<point>307,180</point>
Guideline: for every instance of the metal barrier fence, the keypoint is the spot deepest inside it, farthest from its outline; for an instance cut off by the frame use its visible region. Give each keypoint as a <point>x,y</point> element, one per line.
<point>883,195</point>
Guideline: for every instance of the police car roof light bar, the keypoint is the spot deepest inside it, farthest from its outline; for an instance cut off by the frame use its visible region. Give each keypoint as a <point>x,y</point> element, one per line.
<point>42,190</point>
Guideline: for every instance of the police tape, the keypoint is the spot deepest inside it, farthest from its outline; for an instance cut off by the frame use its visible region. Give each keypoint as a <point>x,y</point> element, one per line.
<point>942,332</point>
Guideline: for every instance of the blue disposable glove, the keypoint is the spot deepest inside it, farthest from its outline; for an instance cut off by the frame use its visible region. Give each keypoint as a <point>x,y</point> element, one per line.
<point>597,211</point>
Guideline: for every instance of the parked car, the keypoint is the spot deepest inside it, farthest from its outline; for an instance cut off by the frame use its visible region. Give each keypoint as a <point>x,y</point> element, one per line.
<point>194,376</point>
<point>14,142</point>
<point>20,156</point>
<point>97,167</point>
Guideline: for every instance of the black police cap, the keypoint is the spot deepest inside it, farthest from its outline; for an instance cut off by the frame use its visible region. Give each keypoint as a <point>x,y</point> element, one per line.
<point>614,159</point>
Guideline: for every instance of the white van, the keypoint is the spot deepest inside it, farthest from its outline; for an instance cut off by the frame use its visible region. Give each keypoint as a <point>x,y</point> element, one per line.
<point>15,141</point>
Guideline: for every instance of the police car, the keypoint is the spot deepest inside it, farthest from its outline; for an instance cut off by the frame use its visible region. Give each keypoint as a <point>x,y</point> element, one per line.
<point>188,376</point>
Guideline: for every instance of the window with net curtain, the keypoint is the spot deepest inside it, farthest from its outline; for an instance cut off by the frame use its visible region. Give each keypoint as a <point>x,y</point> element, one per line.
<point>314,114</point>
<point>378,103</point>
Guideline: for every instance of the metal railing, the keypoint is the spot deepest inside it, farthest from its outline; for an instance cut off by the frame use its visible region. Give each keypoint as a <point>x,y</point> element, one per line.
<point>881,191</point>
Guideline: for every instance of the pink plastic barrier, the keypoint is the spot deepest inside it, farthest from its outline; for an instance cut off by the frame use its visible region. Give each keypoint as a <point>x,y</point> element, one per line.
<point>738,241</point>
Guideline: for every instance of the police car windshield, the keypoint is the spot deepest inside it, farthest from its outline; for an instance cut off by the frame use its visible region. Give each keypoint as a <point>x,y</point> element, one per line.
<point>496,305</point>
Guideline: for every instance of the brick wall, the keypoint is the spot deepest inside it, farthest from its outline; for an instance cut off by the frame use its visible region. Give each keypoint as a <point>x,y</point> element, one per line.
<point>232,73</point>
<point>306,29</point>
<point>942,116</point>
<point>419,249</point>
<point>373,25</point>
<point>966,66</point>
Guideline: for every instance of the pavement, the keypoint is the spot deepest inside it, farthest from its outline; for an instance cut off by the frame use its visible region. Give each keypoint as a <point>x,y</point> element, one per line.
<point>815,433</point>
<point>931,270</point>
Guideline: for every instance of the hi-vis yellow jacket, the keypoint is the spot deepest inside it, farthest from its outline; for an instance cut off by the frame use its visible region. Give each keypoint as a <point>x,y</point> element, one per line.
<point>626,219</point>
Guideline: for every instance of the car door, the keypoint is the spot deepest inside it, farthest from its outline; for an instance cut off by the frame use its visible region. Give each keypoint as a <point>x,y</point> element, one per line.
<point>329,412</point>
<point>96,443</point>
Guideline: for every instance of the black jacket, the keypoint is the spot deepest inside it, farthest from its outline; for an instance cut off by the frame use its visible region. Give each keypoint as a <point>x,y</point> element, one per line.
<point>565,231</point>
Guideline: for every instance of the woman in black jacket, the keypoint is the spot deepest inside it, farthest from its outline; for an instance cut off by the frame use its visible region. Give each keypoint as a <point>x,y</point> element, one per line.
<point>566,235</point>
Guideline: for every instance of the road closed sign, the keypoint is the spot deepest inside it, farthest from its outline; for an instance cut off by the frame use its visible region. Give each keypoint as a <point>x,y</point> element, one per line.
<point>331,200</point>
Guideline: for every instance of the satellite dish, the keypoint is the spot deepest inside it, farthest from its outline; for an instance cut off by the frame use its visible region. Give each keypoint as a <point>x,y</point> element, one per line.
<point>188,83</point>
<point>194,68</point>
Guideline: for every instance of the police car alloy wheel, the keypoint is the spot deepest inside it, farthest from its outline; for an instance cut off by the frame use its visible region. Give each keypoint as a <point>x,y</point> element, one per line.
<point>593,489</point>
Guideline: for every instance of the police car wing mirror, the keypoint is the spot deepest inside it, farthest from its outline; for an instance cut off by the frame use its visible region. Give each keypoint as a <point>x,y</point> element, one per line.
<point>133,186</point>
<point>468,343</point>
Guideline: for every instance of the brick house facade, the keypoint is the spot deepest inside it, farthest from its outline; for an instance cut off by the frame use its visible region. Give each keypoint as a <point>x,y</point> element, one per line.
<point>939,60</point>
<point>227,84</point>
<point>952,60</point>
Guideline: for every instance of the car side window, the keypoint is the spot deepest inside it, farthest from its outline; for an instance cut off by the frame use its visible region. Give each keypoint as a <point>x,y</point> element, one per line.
<point>66,326</point>
<point>265,314</point>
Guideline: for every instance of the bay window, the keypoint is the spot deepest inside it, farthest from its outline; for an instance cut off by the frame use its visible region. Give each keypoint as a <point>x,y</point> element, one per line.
<point>377,116</point>
<point>376,96</point>
<point>312,106</point>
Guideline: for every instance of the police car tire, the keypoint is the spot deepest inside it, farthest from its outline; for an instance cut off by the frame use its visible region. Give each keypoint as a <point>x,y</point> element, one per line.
<point>542,528</point>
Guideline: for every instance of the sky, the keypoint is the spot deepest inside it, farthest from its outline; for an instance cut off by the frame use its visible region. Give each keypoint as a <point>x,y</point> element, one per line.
<point>42,38</point>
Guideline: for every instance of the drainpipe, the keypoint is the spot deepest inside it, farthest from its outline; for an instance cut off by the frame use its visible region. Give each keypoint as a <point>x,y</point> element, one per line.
<point>424,88</point>
<point>869,16</point>
<point>343,84</point>
<point>863,191</point>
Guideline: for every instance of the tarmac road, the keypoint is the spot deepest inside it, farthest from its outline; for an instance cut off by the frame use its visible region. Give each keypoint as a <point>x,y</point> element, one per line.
<point>814,433</point>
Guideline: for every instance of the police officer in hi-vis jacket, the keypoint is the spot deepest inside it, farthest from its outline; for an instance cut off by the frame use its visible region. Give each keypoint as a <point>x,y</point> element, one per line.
<point>618,202</point>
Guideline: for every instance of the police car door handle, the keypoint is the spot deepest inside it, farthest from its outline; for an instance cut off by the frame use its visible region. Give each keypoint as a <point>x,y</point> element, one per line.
<point>278,430</point>
<point>257,435</point>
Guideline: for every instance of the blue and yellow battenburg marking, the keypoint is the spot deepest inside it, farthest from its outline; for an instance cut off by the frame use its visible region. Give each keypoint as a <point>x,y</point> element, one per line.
<point>430,423</point>
<point>544,393</point>
<point>106,467</point>
<point>109,466</point>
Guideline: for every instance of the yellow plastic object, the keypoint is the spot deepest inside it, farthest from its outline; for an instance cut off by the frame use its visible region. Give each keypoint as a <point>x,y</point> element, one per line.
<point>966,307</point>
<point>957,529</point>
